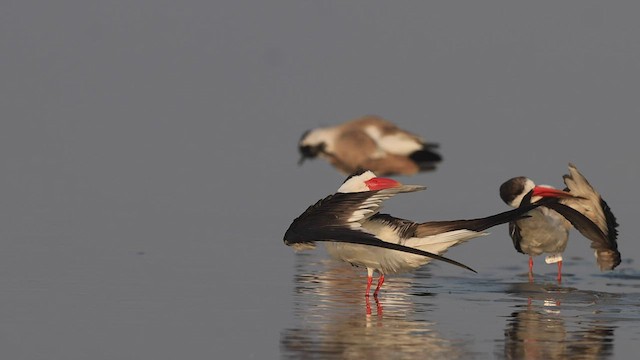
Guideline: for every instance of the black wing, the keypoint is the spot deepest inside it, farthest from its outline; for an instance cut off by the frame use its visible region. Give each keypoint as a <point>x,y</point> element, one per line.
<point>611,221</point>
<point>407,229</point>
<point>607,254</point>
<point>479,224</point>
<point>516,237</point>
<point>328,220</point>
<point>403,227</point>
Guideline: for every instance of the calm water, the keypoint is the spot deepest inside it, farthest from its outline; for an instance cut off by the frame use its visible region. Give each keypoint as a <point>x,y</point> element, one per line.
<point>432,316</point>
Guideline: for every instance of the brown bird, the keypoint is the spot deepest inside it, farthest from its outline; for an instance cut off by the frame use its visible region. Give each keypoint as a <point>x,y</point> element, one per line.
<point>369,143</point>
<point>545,230</point>
<point>354,232</point>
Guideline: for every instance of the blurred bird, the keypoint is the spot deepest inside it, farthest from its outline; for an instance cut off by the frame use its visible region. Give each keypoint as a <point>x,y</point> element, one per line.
<point>546,228</point>
<point>354,232</point>
<point>369,143</point>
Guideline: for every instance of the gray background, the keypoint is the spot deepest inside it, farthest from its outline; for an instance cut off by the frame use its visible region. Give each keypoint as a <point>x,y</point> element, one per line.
<point>148,149</point>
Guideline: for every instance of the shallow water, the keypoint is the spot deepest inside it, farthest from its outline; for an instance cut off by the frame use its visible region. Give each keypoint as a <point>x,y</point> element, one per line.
<point>417,316</point>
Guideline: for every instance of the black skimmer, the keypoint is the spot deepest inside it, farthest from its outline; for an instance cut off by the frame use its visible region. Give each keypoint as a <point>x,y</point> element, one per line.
<point>545,229</point>
<point>370,143</point>
<point>355,232</point>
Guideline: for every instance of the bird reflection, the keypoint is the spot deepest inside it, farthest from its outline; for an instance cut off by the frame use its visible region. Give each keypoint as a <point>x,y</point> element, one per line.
<point>378,305</point>
<point>543,329</point>
<point>333,321</point>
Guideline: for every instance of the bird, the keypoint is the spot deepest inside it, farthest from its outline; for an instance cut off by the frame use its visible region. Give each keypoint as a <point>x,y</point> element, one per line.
<point>545,229</point>
<point>371,143</point>
<point>354,231</point>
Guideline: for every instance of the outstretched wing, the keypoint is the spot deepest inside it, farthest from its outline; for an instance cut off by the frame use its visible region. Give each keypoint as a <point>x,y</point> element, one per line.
<point>589,203</point>
<point>479,224</point>
<point>360,237</point>
<point>371,205</point>
<point>607,254</point>
<point>337,218</point>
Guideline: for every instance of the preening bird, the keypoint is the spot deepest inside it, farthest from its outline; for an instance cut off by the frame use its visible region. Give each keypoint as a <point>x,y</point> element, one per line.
<point>370,143</point>
<point>355,232</point>
<point>545,229</point>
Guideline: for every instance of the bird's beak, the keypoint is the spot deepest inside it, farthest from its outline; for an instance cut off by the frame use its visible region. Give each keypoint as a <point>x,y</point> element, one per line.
<point>544,191</point>
<point>302,159</point>
<point>380,183</point>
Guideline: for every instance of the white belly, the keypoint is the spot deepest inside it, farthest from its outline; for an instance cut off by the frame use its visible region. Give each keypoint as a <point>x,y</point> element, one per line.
<point>383,260</point>
<point>388,261</point>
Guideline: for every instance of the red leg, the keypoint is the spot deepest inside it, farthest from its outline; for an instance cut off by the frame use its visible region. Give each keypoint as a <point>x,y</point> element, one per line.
<point>367,304</point>
<point>380,282</point>
<point>530,264</point>
<point>369,281</point>
<point>560,271</point>
<point>378,306</point>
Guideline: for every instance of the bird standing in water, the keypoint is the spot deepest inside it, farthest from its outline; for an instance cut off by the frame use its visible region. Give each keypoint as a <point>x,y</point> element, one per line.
<point>545,229</point>
<point>355,232</point>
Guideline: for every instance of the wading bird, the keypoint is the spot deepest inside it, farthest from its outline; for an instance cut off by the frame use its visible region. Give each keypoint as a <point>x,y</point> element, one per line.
<point>355,232</point>
<point>370,143</point>
<point>545,229</point>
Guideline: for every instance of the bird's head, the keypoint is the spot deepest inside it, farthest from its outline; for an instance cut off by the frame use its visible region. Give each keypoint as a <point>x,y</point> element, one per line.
<point>366,180</point>
<point>514,190</point>
<point>312,143</point>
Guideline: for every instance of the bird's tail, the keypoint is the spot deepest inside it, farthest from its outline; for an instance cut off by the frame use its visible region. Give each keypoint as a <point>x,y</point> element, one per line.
<point>426,158</point>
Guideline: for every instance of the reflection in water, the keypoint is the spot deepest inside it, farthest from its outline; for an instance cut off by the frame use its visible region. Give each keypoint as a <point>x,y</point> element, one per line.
<point>334,319</point>
<point>546,328</point>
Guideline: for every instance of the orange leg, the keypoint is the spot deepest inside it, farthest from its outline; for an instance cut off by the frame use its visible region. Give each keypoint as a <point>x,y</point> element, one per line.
<point>380,282</point>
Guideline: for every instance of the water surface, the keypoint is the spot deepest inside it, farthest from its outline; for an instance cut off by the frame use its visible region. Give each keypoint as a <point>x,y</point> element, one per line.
<point>431,316</point>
